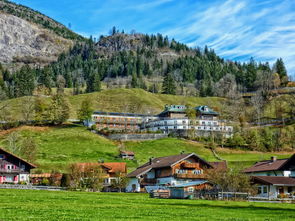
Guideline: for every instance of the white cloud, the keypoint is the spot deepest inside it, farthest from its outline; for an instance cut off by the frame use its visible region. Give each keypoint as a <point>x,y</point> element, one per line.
<point>245,29</point>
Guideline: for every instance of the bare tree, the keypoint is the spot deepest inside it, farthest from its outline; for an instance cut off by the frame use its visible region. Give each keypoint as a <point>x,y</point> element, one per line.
<point>27,108</point>
<point>257,102</point>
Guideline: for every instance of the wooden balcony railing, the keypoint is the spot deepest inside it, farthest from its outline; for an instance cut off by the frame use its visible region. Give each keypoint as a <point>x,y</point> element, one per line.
<point>189,176</point>
<point>190,165</point>
<point>11,171</point>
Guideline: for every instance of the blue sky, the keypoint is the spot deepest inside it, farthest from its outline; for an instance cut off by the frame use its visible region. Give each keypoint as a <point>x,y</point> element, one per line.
<point>235,29</point>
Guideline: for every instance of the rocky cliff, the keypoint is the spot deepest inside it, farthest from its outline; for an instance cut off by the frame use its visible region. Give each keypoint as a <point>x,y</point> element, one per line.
<point>25,42</point>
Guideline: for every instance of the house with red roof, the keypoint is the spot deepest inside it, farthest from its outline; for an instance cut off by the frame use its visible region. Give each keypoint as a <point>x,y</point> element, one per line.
<point>13,169</point>
<point>111,170</point>
<point>274,177</point>
<point>172,171</point>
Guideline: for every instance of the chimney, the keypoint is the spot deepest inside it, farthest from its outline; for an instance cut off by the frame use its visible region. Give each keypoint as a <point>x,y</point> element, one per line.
<point>273,159</point>
<point>151,160</point>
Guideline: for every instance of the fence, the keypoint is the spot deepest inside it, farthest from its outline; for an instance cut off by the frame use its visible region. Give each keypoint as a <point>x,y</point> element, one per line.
<point>136,136</point>
<point>30,187</point>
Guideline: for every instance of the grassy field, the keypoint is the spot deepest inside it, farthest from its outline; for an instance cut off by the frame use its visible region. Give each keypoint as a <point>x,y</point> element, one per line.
<point>121,100</point>
<point>58,147</point>
<point>46,205</point>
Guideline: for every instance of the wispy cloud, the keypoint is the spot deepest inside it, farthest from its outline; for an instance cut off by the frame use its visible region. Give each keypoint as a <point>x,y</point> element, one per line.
<point>236,29</point>
<point>244,29</point>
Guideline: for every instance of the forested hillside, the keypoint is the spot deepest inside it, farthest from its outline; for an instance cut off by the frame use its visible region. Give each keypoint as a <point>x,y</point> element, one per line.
<point>151,62</point>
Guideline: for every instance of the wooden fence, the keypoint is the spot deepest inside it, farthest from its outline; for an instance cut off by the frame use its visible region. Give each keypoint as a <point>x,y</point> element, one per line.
<point>30,187</point>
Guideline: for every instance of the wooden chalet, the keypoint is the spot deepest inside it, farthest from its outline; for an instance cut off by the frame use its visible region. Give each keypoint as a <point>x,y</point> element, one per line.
<point>171,171</point>
<point>13,169</point>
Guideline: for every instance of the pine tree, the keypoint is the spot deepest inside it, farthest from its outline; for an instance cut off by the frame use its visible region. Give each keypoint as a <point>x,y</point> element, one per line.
<point>85,111</point>
<point>168,86</point>
<point>280,68</point>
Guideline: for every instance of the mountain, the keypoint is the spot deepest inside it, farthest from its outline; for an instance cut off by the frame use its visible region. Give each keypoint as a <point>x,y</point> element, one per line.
<point>29,37</point>
<point>154,63</point>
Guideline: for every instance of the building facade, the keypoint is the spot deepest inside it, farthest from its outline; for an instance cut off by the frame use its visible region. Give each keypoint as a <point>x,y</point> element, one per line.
<point>174,118</point>
<point>169,171</point>
<point>119,121</point>
<point>13,169</point>
<point>274,178</point>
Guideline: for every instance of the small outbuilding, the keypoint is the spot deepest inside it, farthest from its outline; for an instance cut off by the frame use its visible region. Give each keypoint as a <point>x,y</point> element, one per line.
<point>129,155</point>
<point>187,190</point>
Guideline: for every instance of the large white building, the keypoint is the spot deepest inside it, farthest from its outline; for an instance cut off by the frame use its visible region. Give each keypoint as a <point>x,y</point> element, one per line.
<point>174,118</point>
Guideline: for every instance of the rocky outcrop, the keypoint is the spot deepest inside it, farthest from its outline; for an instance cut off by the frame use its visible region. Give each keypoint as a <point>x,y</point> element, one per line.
<point>25,42</point>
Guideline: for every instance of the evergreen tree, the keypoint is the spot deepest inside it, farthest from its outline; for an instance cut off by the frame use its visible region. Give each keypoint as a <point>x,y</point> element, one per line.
<point>85,112</point>
<point>168,86</point>
<point>280,68</point>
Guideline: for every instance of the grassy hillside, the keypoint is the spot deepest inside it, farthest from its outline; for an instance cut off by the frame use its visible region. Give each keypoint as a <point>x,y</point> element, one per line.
<point>122,100</point>
<point>61,205</point>
<point>60,146</point>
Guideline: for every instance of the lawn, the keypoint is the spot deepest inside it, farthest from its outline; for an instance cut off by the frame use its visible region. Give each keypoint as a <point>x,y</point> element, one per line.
<point>46,205</point>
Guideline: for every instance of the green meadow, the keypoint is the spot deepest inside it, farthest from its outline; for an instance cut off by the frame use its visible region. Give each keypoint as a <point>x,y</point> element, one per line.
<point>61,205</point>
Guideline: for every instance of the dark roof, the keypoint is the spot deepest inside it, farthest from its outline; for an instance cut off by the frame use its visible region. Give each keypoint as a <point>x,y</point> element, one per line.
<point>5,151</point>
<point>222,165</point>
<point>274,180</point>
<point>161,162</point>
<point>130,153</point>
<point>122,114</point>
<point>266,165</point>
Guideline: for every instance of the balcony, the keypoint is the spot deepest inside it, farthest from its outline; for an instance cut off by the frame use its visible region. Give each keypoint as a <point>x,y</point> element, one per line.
<point>11,171</point>
<point>190,165</point>
<point>189,176</point>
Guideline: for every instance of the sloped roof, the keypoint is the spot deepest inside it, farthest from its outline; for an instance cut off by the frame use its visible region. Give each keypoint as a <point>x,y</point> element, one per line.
<point>221,165</point>
<point>112,167</point>
<point>266,165</point>
<point>193,183</point>
<point>30,164</point>
<point>130,153</point>
<point>275,180</point>
<point>206,110</point>
<point>161,162</point>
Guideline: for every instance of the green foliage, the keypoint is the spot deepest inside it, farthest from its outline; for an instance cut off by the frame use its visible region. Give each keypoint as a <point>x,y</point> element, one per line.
<point>86,110</point>
<point>169,86</point>
<point>58,111</point>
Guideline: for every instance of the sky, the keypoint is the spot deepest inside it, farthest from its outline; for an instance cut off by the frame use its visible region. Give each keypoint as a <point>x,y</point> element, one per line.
<point>235,29</point>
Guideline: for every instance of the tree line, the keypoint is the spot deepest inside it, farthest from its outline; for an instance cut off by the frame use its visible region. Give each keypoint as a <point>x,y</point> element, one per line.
<point>86,65</point>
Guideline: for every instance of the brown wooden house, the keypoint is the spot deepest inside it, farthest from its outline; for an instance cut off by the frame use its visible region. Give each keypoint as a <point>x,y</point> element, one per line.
<point>171,171</point>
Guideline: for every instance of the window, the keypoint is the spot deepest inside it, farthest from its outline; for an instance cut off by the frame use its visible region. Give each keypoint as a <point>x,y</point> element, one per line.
<point>290,189</point>
<point>190,189</point>
<point>197,171</point>
<point>265,189</point>
<point>1,156</point>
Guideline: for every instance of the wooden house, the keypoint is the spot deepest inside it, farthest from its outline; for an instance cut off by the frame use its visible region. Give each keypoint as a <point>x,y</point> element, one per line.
<point>169,171</point>
<point>13,169</point>
<point>274,177</point>
<point>111,171</point>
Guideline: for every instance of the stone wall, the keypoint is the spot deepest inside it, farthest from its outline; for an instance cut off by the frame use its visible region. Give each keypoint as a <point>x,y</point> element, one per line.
<point>125,137</point>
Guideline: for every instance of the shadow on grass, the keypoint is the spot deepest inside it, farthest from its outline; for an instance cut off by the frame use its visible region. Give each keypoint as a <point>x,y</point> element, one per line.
<point>231,207</point>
